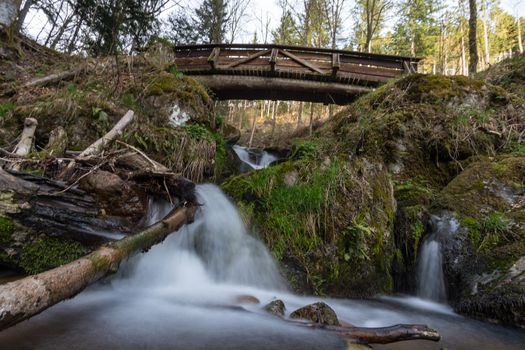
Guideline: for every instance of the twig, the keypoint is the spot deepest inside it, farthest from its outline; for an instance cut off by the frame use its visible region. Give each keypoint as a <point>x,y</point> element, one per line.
<point>96,167</point>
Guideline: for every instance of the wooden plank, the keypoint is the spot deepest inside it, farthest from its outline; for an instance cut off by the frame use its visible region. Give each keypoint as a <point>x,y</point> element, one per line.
<point>273,59</point>
<point>247,59</point>
<point>214,56</point>
<point>302,62</point>
<point>336,63</point>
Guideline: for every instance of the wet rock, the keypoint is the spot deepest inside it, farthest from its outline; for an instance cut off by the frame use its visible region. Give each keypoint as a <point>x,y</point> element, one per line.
<point>275,307</point>
<point>318,312</point>
<point>246,299</point>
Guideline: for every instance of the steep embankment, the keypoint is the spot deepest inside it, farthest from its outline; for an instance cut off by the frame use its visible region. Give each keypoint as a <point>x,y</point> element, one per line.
<point>348,212</point>
<point>175,126</point>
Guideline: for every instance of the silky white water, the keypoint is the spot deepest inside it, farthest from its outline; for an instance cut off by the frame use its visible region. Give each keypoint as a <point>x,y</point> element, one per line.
<point>431,280</point>
<point>255,160</point>
<point>189,293</point>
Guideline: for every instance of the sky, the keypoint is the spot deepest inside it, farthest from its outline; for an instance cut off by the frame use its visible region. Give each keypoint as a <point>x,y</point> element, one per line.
<point>270,9</point>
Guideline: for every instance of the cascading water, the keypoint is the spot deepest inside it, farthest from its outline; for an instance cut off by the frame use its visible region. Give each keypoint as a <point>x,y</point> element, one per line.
<point>431,281</point>
<point>255,159</point>
<point>190,293</point>
<point>215,248</point>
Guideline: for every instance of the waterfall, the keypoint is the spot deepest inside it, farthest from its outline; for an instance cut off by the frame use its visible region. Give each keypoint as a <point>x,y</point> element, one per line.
<point>254,158</point>
<point>216,249</point>
<point>431,281</point>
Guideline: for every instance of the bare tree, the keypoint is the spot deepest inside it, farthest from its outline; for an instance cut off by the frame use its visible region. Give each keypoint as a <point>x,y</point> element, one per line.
<point>472,40</point>
<point>334,10</point>
<point>237,14</point>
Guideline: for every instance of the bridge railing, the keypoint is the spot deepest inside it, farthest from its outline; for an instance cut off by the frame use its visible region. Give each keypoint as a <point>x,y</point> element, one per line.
<point>292,62</point>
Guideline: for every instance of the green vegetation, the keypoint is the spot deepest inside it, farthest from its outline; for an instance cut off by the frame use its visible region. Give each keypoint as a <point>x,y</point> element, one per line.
<point>7,227</point>
<point>47,253</point>
<point>6,108</point>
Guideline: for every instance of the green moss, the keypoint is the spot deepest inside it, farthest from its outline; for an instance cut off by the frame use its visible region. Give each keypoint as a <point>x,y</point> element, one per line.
<point>411,192</point>
<point>48,253</point>
<point>6,108</point>
<point>7,227</point>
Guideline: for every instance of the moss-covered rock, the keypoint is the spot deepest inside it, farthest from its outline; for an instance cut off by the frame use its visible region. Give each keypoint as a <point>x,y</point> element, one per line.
<point>328,220</point>
<point>488,198</point>
<point>422,126</point>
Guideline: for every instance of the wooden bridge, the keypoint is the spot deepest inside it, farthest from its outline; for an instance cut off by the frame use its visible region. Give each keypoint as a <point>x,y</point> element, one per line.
<point>279,72</point>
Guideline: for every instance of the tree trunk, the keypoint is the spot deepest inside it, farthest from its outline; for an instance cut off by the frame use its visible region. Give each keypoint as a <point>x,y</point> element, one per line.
<point>464,68</point>
<point>520,39</point>
<point>23,14</point>
<point>274,121</point>
<point>486,33</point>
<point>300,115</point>
<point>27,297</point>
<point>472,41</point>
<point>255,122</point>
<point>311,125</point>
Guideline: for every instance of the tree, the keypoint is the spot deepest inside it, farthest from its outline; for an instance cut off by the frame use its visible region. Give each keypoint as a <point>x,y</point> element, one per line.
<point>370,15</point>
<point>333,10</point>
<point>472,38</point>
<point>417,29</point>
<point>212,20</point>
<point>286,33</point>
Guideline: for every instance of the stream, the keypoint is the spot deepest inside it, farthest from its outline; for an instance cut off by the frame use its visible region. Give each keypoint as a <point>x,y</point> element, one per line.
<point>193,291</point>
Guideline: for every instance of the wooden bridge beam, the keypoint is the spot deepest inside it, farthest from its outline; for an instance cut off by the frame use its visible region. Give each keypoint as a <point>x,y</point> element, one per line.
<point>302,62</point>
<point>247,59</point>
<point>214,57</point>
<point>227,87</point>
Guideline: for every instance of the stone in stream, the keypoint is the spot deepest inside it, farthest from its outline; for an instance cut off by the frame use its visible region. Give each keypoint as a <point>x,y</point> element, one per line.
<point>246,299</point>
<point>318,313</point>
<point>275,307</point>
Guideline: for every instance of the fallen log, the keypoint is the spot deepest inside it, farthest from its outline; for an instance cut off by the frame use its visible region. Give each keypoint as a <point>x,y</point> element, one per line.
<point>24,298</point>
<point>381,335</point>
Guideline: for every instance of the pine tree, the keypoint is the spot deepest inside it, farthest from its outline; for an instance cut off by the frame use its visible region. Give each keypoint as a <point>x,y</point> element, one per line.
<point>286,33</point>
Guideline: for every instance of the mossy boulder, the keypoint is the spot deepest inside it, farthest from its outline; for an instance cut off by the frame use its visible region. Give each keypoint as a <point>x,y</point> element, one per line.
<point>421,126</point>
<point>331,227</point>
<point>488,198</point>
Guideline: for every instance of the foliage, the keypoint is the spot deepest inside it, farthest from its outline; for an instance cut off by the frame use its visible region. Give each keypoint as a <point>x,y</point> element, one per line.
<point>48,253</point>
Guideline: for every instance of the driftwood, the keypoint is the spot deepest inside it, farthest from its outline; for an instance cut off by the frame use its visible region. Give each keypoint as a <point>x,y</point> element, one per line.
<point>22,299</point>
<point>26,139</point>
<point>382,335</point>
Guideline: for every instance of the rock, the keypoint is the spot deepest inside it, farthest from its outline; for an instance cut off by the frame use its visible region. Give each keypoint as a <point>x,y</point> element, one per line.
<point>275,307</point>
<point>246,299</point>
<point>318,313</point>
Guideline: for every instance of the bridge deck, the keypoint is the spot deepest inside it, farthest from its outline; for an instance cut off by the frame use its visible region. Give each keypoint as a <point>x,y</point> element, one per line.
<point>243,71</point>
